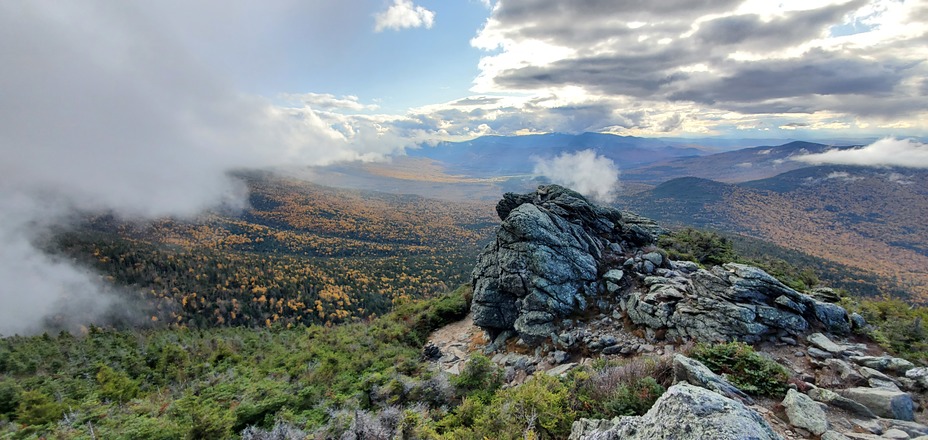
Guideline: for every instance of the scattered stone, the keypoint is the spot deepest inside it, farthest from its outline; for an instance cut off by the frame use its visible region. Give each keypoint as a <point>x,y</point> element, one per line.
<point>431,352</point>
<point>561,369</point>
<point>788,340</point>
<point>858,322</point>
<point>884,403</point>
<point>871,426</point>
<point>870,373</point>
<point>845,371</point>
<point>818,354</point>
<point>883,384</point>
<point>821,341</point>
<point>886,364</point>
<point>695,373</point>
<point>803,412</point>
<point>838,401</point>
<point>684,411</point>
<point>560,357</point>
<point>914,429</point>
<point>834,435</point>
<point>896,434</point>
<point>615,349</point>
<point>919,375</point>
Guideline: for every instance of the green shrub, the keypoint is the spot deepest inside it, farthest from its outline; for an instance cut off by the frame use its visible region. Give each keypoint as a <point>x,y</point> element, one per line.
<point>37,408</point>
<point>744,368</point>
<point>479,379</point>
<point>116,385</point>
<point>9,397</point>
<point>634,399</point>
<point>703,247</point>
<point>617,389</point>
<point>538,408</point>
<point>898,326</point>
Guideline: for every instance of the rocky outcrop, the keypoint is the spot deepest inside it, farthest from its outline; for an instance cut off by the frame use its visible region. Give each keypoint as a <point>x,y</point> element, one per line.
<point>684,411</point>
<point>556,253</point>
<point>546,260</point>
<point>730,302</point>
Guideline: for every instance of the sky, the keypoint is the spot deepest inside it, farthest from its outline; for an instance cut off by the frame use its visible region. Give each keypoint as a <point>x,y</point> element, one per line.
<point>142,108</point>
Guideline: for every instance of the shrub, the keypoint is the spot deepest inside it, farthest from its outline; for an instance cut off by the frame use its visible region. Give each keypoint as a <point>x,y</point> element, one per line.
<point>744,368</point>
<point>116,385</point>
<point>538,408</point>
<point>703,247</point>
<point>611,390</point>
<point>898,327</point>
<point>479,379</point>
<point>37,408</point>
<point>9,397</point>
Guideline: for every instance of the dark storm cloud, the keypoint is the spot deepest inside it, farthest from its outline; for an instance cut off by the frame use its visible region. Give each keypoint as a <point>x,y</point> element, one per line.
<point>627,74</point>
<point>817,73</point>
<point>751,32</point>
<point>680,52</point>
<point>593,10</point>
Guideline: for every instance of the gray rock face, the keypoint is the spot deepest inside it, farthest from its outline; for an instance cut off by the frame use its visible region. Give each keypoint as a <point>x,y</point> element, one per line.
<point>555,253</point>
<point>545,261</point>
<point>684,411</point>
<point>732,302</point>
<point>805,413</point>
<point>884,403</point>
<point>695,373</point>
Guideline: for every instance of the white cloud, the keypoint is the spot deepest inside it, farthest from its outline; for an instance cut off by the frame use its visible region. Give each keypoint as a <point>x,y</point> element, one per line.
<point>585,171</point>
<point>327,101</point>
<point>102,111</point>
<point>403,14</point>
<point>719,60</point>
<point>907,153</point>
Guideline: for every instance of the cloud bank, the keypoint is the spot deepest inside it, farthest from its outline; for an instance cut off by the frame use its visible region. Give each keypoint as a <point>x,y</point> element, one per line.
<point>101,111</point>
<point>667,66</point>
<point>887,152</point>
<point>403,14</point>
<point>585,171</point>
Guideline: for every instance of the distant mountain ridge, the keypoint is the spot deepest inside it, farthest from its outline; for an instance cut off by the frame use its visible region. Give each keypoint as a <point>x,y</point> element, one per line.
<point>731,166</point>
<point>868,218</point>
<point>491,156</point>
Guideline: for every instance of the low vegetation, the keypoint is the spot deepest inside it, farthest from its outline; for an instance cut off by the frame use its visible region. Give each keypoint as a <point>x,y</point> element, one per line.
<point>744,368</point>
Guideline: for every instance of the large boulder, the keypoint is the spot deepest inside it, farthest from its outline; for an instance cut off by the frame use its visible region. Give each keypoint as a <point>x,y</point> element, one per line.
<point>555,253</point>
<point>695,373</point>
<point>546,258</point>
<point>805,413</point>
<point>684,411</point>
<point>884,403</point>
<point>729,302</point>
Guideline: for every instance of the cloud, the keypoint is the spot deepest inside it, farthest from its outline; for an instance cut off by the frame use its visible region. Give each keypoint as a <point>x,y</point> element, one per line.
<point>752,61</point>
<point>888,152</point>
<point>327,101</point>
<point>403,14</point>
<point>101,111</point>
<point>585,171</point>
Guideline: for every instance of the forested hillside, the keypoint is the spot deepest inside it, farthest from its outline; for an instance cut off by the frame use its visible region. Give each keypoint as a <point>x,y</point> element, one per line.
<point>868,219</point>
<point>302,254</point>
